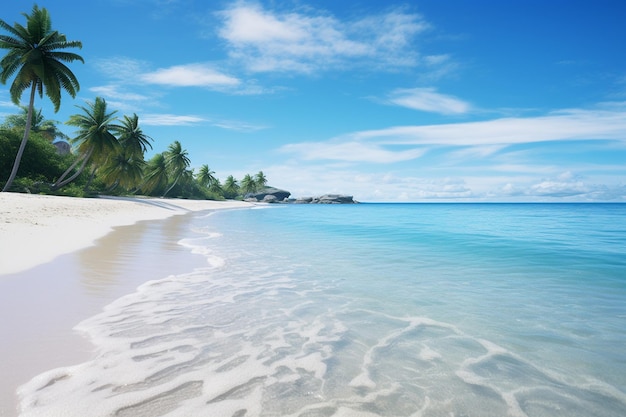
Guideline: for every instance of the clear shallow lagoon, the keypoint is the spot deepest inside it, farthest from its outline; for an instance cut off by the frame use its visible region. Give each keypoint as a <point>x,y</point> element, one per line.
<point>369,310</point>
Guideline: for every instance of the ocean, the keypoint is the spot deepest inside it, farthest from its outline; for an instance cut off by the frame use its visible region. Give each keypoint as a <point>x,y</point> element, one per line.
<point>367,310</point>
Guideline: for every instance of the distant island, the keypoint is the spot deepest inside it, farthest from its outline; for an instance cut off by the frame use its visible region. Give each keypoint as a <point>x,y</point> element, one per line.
<point>275,195</point>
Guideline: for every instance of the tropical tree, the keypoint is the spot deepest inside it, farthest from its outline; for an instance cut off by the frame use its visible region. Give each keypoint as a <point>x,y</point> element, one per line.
<point>131,137</point>
<point>40,163</point>
<point>260,180</point>
<point>155,174</point>
<point>216,187</point>
<point>124,169</point>
<point>39,124</point>
<point>248,185</point>
<point>230,188</point>
<point>36,56</point>
<point>177,161</point>
<point>206,177</point>
<point>94,141</point>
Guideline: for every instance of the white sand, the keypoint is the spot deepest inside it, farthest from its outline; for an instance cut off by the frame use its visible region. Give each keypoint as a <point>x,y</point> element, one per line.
<point>35,229</point>
<point>38,310</point>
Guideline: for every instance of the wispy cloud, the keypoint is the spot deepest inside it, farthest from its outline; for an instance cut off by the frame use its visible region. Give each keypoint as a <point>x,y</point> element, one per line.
<point>403,143</point>
<point>120,68</point>
<point>350,151</point>
<point>557,126</point>
<point>166,119</point>
<point>117,93</point>
<point>237,125</point>
<point>129,71</point>
<point>266,40</point>
<point>429,100</point>
<point>191,75</point>
<point>170,120</point>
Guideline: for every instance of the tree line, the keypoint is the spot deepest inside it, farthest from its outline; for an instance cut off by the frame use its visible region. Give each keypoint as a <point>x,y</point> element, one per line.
<point>108,152</point>
<point>108,157</point>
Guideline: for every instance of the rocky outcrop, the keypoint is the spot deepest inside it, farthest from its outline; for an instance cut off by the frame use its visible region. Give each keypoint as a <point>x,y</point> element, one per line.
<point>268,195</point>
<point>333,199</point>
<point>63,148</point>
<point>275,195</point>
<point>327,199</point>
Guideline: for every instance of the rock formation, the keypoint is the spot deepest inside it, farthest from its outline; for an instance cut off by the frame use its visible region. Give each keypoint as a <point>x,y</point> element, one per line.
<point>268,195</point>
<point>275,195</point>
<point>327,199</point>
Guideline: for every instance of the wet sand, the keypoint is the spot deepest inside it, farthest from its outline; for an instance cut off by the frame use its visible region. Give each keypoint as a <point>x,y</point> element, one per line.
<point>40,305</point>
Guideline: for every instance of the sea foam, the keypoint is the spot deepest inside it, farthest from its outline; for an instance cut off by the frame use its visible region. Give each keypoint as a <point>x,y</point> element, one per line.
<point>268,330</point>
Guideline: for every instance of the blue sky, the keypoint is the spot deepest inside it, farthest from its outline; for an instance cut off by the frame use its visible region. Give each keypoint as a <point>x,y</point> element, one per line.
<point>456,100</point>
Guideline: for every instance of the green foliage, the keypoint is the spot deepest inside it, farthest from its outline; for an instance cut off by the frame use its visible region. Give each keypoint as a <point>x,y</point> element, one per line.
<point>248,185</point>
<point>155,178</point>
<point>47,128</point>
<point>231,187</point>
<point>36,58</point>
<point>260,180</point>
<point>40,161</point>
<point>94,141</point>
<point>131,137</point>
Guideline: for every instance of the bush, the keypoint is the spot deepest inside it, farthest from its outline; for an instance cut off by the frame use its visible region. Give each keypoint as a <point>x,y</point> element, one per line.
<point>40,161</point>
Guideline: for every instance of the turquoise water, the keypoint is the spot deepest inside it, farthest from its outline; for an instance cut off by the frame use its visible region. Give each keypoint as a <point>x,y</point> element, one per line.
<point>369,310</point>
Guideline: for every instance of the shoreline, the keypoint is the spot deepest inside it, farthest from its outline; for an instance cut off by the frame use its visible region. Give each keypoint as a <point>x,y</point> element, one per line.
<point>38,228</point>
<point>63,259</point>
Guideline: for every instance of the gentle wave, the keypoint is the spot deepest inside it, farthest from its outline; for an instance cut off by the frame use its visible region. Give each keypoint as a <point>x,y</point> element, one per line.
<point>266,331</point>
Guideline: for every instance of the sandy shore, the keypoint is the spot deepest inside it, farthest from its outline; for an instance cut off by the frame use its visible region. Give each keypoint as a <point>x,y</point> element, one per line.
<point>59,265</point>
<point>36,229</point>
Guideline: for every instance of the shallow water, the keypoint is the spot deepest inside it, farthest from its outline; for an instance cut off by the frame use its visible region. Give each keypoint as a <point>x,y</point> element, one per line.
<point>368,310</point>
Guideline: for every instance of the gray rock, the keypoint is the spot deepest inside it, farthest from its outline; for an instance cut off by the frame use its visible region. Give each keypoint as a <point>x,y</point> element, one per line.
<point>279,195</point>
<point>335,199</point>
<point>63,148</point>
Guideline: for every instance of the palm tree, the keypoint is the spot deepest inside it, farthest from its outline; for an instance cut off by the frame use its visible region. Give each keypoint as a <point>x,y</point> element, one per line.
<point>132,137</point>
<point>124,169</point>
<point>177,162</point>
<point>94,140</point>
<point>35,57</point>
<point>230,188</point>
<point>39,124</point>
<point>248,185</point>
<point>260,180</point>
<point>155,174</point>
<point>206,177</point>
<point>216,187</point>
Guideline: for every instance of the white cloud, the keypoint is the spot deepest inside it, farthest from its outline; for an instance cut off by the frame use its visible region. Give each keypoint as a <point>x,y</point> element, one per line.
<point>351,151</point>
<point>428,99</point>
<point>192,75</point>
<point>237,125</point>
<point>477,138</point>
<point>120,68</point>
<point>269,41</point>
<point>116,92</point>
<point>562,125</point>
<point>170,120</point>
<point>420,183</point>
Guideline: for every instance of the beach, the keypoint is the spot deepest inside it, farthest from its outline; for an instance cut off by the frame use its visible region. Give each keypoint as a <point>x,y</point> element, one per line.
<point>373,310</point>
<point>49,226</point>
<point>56,255</point>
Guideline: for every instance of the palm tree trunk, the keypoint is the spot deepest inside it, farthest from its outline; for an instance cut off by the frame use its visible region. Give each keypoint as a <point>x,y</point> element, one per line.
<point>67,171</point>
<point>60,182</point>
<point>20,151</point>
<point>114,186</point>
<point>171,186</point>
<point>93,174</point>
